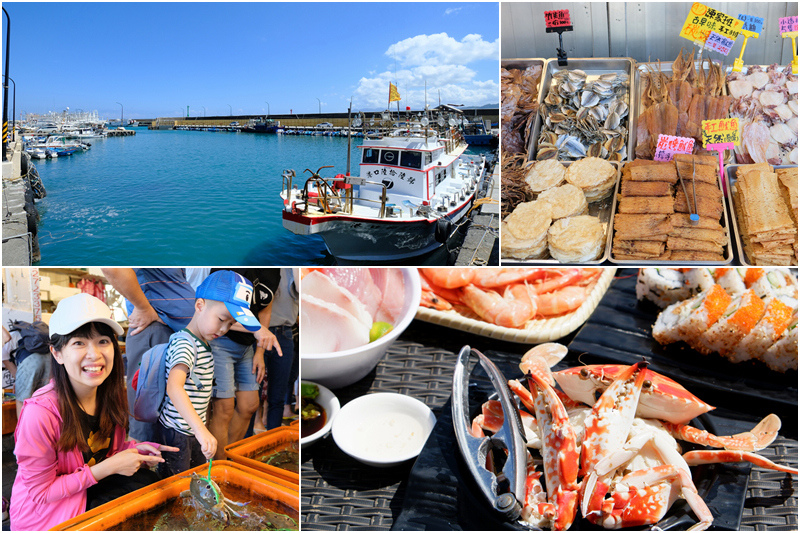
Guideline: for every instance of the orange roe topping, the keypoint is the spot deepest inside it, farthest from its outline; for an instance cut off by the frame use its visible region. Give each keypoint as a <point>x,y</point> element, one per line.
<point>719,272</point>
<point>750,312</point>
<point>717,301</point>
<point>779,315</point>
<point>752,275</point>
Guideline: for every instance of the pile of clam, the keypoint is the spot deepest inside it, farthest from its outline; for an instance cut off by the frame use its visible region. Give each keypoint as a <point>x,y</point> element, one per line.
<point>584,119</point>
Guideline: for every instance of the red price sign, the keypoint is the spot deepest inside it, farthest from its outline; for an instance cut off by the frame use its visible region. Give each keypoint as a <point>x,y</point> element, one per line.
<point>558,18</point>
<point>669,145</point>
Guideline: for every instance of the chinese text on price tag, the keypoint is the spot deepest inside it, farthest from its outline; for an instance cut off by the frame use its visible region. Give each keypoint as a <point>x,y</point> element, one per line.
<point>557,19</point>
<point>724,130</point>
<point>669,145</point>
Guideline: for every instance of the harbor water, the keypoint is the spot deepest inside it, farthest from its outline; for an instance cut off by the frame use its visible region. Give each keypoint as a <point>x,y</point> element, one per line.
<point>182,198</point>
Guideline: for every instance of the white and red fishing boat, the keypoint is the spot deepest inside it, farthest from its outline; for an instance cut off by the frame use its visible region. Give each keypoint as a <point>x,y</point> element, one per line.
<point>414,185</point>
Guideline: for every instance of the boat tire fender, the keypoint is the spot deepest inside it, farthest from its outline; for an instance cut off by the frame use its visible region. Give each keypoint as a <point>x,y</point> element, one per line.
<point>443,229</point>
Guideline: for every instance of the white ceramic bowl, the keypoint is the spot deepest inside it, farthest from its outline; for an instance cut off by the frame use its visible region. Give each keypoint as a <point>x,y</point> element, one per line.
<point>328,401</point>
<point>339,369</point>
<point>383,429</point>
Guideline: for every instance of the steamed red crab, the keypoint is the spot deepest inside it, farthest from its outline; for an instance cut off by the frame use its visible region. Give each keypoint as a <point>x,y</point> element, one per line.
<point>608,440</point>
<point>508,297</point>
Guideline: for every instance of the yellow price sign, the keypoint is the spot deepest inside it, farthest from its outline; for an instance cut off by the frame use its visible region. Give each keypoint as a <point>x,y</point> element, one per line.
<point>702,20</point>
<point>724,130</point>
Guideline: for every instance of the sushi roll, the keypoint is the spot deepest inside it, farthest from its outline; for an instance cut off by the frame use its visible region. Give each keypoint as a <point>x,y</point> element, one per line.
<point>665,330</point>
<point>711,304</point>
<point>731,280</point>
<point>782,355</point>
<point>662,286</point>
<point>698,280</point>
<point>774,282</point>
<point>739,318</point>
<point>776,319</point>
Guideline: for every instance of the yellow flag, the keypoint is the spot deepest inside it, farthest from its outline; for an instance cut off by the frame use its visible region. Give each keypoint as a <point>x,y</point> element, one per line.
<point>394,96</point>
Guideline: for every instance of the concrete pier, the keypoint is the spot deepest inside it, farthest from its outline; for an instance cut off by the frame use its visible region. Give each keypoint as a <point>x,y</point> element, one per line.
<point>20,218</point>
<point>481,244</point>
<point>120,133</point>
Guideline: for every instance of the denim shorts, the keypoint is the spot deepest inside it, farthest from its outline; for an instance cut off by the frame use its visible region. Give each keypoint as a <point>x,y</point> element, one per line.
<point>190,452</point>
<point>33,373</point>
<point>233,368</point>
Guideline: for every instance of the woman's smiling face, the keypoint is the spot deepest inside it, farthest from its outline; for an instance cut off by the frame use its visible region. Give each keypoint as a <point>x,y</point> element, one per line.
<point>88,360</point>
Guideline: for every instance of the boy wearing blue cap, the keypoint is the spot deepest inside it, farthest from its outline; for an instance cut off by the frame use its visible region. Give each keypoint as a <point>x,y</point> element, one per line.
<point>222,300</point>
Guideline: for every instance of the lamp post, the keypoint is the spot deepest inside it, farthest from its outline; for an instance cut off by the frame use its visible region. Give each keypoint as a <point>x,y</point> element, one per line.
<point>5,87</point>
<point>14,105</point>
<point>267,107</point>
<point>231,109</point>
<point>320,106</point>
<point>121,115</point>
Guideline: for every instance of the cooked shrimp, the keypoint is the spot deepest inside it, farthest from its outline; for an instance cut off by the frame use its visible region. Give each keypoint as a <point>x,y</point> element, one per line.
<point>499,277</point>
<point>449,278</point>
<point>561,278</point>
<point>563,301</point>
<point>512,310</point>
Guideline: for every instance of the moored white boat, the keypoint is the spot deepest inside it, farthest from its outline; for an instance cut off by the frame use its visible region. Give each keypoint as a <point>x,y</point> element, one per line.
<point>413,187</point>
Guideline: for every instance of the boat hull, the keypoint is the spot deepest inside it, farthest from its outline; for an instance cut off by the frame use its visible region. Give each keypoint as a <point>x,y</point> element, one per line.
<point>358,239</point>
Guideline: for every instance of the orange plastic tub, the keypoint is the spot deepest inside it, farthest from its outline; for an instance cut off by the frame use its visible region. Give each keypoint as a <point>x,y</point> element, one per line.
<point>141,509</point>
<point>248,451</point>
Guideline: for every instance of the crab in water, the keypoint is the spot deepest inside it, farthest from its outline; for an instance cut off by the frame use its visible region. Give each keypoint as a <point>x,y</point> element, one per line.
<point>208,494</point>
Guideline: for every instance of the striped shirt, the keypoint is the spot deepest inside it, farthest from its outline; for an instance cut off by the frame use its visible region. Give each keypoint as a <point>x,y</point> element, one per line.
<point>180,352</point>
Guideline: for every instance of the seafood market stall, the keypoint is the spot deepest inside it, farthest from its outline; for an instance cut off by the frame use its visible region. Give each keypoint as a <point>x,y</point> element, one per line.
<point>436,490</point>
<point>691,94</point>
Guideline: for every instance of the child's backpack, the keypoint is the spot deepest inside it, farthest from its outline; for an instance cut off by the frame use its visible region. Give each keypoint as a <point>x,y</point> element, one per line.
<point>150,380</point>
<point>34,338</point>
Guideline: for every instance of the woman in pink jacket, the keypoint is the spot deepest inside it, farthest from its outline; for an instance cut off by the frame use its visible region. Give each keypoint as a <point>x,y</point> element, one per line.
<point>70,439</point>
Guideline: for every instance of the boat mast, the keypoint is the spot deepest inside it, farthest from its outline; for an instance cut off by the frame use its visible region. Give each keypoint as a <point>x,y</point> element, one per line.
<point>349,135</point>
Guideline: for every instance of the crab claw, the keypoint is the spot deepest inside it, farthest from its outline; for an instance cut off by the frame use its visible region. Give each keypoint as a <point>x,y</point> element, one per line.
<point>220,510</point>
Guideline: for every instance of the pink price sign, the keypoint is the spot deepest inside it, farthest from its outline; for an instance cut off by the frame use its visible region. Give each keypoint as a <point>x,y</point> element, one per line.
<point>558,18</point>
<point>787,24</point>
<point>669,145</point>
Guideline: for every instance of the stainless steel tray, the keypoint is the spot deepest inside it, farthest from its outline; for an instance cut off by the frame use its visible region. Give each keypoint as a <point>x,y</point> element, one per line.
<point>523,64</point>
<point>601,209</point>
<point>727,248</point>
<point>665,67</point>
<point>593,67</point>
<point>730,181</point>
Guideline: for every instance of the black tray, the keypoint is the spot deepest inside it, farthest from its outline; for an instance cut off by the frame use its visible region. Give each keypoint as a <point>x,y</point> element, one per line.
<point>441,494</point>
<point>620,330</point>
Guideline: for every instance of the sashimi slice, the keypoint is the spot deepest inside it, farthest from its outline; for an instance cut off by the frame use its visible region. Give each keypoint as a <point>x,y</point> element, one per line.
<point>323,287</point>
<point>359,282</point>
<point>328,328</point>
<point>391,284</point>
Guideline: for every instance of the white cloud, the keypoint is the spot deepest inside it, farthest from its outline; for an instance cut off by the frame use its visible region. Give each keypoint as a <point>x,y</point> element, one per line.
<point>452,10</point>
<point>441,48</point>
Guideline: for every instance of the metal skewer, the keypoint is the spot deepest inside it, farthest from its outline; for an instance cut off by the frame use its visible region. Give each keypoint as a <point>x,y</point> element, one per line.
<point>694,218</point>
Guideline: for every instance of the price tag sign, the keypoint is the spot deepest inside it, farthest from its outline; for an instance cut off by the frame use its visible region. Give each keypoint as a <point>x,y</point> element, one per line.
<point>787,24</point>
<point>751,24</point>
<point>724,130</point>
<point>718,43</point>
<point>557,20</point>
<point>702,20</point>
<point>669,145</point>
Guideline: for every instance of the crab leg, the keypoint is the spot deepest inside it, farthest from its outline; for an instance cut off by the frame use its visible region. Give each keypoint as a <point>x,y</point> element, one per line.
<point>700,457</point>
<point>758,438</point>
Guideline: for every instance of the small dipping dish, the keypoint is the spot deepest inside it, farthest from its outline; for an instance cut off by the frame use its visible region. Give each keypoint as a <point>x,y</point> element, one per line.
<point>383,429</point>
<point>330,403</point>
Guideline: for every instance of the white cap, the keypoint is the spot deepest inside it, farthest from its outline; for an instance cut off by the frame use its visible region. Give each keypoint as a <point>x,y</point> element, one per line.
<point>75,311</point>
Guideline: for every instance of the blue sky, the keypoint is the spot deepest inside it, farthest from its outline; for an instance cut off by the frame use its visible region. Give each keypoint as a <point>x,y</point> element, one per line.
<point>157,58</point>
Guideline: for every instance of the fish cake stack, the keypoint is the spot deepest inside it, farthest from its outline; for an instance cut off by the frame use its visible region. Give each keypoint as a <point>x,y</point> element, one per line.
<point>645,207</point>
<point>764,209</point>
<point>704,241</point>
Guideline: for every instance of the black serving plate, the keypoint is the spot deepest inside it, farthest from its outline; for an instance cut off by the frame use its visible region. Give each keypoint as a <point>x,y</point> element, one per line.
<point>620,331</point>
<point>441,494</point>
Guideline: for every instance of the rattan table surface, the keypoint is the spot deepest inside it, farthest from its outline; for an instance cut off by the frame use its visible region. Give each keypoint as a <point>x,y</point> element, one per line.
<point>338,493</point>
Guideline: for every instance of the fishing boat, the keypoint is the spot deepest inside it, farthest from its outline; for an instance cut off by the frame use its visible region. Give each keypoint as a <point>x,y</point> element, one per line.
<point>475,133</point>
<point>415,184</point>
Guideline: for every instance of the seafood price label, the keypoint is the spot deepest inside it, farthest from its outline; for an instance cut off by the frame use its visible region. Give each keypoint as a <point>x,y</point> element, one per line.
<point>751,24</point>
<point>702,20</point>
<point>724,130</point>
<point>718,43</point>
<point>787,24</point>
<point>557,20</point>
<point>669,145</point>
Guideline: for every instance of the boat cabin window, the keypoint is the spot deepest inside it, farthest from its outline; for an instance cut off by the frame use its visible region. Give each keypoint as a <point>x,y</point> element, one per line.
<point>389,157</point>
<point>428,158</point>
<point>370,155</point>
<point>411,160</point>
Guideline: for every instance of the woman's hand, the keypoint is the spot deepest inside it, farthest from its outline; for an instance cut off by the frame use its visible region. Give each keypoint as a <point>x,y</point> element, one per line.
<point>148,449</point>
<point>125,463</point>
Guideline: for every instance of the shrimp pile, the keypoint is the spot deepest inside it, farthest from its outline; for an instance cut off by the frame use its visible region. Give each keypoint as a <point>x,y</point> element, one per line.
<point>508,297</point>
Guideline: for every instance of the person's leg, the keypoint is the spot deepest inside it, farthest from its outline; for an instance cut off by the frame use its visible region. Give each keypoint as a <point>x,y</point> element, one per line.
<point>196,452</point>
<point>226,352</point>
<point>246,395</point>
<point>174,462</point>
<point>135,346</point>
<point>278,368</point>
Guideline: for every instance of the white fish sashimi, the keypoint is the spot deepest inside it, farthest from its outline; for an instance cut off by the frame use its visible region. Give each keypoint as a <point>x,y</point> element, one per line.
<point>391,284</point>
<point>359,282</point>
<point>323,287</point>
<point>328,328</point>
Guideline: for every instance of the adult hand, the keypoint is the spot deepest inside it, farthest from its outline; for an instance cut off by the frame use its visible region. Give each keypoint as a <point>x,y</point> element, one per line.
<point>267,340</point>
<point>208,443</point>
<point>259,368</point>
<point>140,318</point>
<point>148,449</point>
<point>127,462</point>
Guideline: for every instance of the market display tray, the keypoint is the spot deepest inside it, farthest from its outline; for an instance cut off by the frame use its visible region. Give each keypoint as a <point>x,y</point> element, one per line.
<point>601,210</point>
<point>730,182</point>
<point>535,331</point>
<point>441,494</point>
<point>522,64</point>
<point>620,330</point>
<point>727,256</point>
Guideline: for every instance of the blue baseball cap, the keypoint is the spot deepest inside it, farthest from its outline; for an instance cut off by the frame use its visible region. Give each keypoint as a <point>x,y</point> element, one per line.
<point>235,291</point>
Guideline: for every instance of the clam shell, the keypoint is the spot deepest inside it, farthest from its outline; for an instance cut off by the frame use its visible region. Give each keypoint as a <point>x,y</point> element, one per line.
<point>589,99</point>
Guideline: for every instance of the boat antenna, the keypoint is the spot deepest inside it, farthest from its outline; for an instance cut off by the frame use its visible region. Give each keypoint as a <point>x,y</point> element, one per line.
<point>349,134</point>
